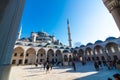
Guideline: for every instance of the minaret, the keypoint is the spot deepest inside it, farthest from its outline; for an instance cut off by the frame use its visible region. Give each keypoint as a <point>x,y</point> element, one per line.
<point>114,8</point>
<point>69,34</point>
<point>19,34</point>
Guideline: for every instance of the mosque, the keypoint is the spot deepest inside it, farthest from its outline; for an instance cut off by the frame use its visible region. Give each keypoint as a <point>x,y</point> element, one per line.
<point>39,48</point>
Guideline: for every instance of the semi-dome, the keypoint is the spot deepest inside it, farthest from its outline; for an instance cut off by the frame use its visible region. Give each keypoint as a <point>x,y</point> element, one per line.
<point>98,41</point>
<point>110,38</point>
<point>89,44</point>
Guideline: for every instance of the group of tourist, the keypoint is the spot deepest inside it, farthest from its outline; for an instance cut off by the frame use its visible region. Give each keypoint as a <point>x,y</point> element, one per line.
<point>46,65</point>
<point>109,64</point>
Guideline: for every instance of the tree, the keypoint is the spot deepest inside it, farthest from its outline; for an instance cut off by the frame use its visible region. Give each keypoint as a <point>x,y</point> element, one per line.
<point>77,44</point>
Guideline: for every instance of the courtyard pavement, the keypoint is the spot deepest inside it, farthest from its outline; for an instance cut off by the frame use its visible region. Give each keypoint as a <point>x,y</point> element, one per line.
<point>86,72</point>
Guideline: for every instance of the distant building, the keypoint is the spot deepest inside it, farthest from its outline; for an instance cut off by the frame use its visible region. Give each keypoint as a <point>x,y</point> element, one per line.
<point>39,48</point>
<point>100,50</point>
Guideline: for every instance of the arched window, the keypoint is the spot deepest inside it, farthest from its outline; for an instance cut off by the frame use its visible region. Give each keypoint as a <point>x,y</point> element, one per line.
<point>119,48</point>
<point>88,53</point>
<point>112,49</point>
<point>53,55</point>
<point>41,55</point>
<point>101,51</point>
<point>21,55</point>
<point>91,52</point>
<point>106,51</point>
<point>15,54</point>
<point>96,51</point>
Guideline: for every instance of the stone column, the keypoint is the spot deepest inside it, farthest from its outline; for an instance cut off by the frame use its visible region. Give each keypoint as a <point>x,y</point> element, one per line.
<point>23,62</point>
<point>10,15</point>
<point>105,54</point>
<point>114,8</point>
<point>36,57</point>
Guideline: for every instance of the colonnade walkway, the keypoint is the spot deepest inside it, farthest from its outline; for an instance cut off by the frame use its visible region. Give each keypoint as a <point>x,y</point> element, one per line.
<point>86,72</point>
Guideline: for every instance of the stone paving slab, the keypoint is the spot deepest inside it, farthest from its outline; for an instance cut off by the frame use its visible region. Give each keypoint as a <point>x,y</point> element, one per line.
<point>86,72</point>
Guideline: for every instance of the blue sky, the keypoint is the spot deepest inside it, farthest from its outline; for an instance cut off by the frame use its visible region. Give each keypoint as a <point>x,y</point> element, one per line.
<point>89,20</point>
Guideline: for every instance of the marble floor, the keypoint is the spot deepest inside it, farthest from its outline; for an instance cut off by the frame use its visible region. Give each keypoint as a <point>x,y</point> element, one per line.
<point>86,72</point>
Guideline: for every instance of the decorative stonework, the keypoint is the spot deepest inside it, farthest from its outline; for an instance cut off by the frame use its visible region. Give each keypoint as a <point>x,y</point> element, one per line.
<point>114,8</point>
<point>112,4</point>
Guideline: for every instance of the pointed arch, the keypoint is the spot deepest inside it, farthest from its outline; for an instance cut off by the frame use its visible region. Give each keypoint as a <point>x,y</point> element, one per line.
<point>17,57</point>
<point>98,49</point>
<point>112,49</point>
<point>30,57</point>
<point>50,55</point>
<point>89,53</point>
<point>58,56</point>
<point>41,55</point>
<point>81,54</point>
<point>99,52</point>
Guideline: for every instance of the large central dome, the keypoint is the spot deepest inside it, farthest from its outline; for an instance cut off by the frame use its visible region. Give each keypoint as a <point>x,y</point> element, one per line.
<point>43,33</point>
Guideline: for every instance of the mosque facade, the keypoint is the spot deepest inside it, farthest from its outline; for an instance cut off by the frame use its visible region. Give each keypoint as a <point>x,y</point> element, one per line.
<point>39,48</point>
<point>100,50</point>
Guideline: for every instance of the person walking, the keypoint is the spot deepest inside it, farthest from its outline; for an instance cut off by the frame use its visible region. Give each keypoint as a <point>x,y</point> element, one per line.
<point>96,66</point>
<point>47,68</point>
<point>74,67</point>
<point>50,66</point>
<point>44,65</point>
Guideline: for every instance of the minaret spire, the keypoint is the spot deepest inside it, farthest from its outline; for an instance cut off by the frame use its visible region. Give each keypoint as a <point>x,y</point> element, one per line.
<point>19,34</point>
<point>69,34</point>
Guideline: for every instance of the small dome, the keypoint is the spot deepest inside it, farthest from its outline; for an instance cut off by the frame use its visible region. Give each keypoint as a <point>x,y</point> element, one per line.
<point>25,39</point>
<point>67,48</point>
<point>82,45</point>
<point>55,46</point>
<point>61,47</point>
<point>39,46</point>
<point>72,49</point>
<point>76,47</point>
<point>66,51</point>
<point>18,43</point>
<point>89,44</point>
<point>98,41</point>
<point>110,38</point>
<point>30,44</point>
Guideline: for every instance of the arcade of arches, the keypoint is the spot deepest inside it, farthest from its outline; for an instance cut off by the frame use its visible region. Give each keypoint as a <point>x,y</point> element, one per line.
<point>101,51</point>
<point>23,56</point>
